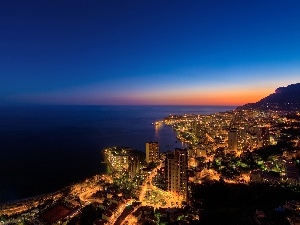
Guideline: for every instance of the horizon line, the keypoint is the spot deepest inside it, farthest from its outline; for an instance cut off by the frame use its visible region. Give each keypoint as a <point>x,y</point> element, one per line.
<point>41,104</point>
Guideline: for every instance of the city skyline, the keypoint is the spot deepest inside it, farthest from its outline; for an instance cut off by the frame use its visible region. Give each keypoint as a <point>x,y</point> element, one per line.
<point>147,52</point>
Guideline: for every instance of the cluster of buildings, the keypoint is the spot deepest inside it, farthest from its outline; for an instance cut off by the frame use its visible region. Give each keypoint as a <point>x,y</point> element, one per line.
<point>234,131</point>
<point>239,133</point>
<point>229,137</point>
<point>289,175</point>
<point>175,165</point>
<point>122,159</point>
<point>112,207</point>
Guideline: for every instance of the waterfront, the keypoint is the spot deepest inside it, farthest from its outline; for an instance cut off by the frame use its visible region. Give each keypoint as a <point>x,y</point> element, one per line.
<point>135,186</point>
<point>44,148</point>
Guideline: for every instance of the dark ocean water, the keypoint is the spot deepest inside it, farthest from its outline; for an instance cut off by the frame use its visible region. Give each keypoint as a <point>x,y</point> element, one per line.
<point>43,148</point>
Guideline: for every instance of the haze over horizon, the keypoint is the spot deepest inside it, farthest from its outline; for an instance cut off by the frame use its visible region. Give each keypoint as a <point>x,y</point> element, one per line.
<point>147,52</point>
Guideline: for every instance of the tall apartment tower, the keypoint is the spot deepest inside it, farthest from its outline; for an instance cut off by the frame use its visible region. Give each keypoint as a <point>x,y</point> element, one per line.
<point>232,140</point>
<point>133,166</point>
<point>170,172</point>
<point>176,172</point>
<point>152,152</point>
<point>180,167</point>
<point>263,136</point>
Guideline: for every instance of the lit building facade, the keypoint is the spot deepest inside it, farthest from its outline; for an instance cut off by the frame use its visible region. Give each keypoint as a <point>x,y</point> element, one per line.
<point>152,152</point>
<point>176,172</point>
<point>263,136</point>
<point>232,140</point>
<point>133,166</point>
<point>117,158</point>
<point>169,172</point>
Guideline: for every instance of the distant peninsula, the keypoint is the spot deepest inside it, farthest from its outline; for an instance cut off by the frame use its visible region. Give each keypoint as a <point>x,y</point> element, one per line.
<point>284,98</point>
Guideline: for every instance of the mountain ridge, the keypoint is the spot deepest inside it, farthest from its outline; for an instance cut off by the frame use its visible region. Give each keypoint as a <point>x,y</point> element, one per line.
<point>284,98</point>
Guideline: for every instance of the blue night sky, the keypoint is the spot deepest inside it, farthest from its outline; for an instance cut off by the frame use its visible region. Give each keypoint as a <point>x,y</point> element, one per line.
<point>147,52</point>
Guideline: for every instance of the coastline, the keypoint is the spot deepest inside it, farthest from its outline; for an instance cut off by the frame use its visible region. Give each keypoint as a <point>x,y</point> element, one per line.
<point>140,119</point>
<point>87,191</point>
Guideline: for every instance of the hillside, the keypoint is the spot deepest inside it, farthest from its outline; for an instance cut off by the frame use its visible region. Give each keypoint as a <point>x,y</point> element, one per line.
<point>284,98</point>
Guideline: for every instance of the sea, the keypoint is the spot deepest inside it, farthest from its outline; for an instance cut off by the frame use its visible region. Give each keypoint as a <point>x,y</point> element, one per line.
<point>45,148</point>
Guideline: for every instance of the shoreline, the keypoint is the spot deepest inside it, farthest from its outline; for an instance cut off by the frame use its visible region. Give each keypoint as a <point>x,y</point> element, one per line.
<point>33,198</point>
<point>9,203</point>
<point>32,203</point>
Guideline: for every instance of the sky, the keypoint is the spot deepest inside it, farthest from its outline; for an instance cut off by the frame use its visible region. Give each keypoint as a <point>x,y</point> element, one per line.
<point>147,52</point>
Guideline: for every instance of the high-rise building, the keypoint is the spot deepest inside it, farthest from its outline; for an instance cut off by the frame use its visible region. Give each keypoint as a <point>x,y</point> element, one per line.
<point>232,140</point>
<point>176,172</point>
<point>263,136</point>
<point>170,172</point>
<point>152,152</point>
<point>133,165</point>
<point>181,177</point>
